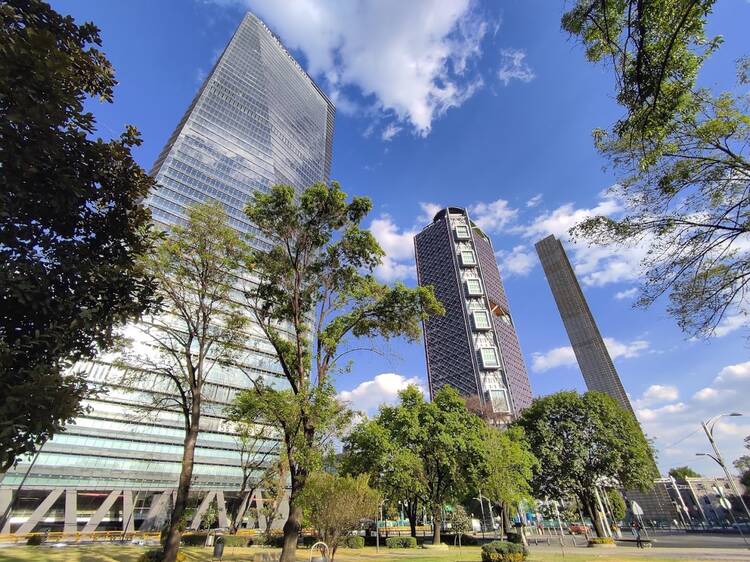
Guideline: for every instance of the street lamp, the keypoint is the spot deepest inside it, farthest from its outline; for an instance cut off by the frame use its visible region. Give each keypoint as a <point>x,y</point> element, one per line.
<point>708,427</point>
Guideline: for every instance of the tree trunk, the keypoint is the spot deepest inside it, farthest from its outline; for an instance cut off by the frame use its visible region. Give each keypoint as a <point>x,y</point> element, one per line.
<point>238,511</point>
<point>437,522</point>
<point>593,513</point>
<point>291,532</point>
<point>411,513</point>
<point>506,517</point>
<point>172,544</point>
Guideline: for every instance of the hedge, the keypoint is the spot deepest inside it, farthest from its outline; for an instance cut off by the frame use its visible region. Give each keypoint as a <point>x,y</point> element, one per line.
<point>354,541</point>
<point>158,556</point>
<point>502,551</point>
<point>194,539</point>
<point>601,540</point>
<point>401,542</point>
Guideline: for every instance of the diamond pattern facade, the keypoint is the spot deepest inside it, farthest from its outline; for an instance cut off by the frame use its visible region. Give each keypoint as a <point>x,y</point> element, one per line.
<point>473,347</point>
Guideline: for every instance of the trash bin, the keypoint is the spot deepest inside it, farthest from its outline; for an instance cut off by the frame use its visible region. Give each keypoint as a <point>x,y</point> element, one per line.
<point>219,547</point>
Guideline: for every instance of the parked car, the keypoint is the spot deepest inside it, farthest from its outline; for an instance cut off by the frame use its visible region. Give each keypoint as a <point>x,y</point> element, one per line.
<point>578,528</point>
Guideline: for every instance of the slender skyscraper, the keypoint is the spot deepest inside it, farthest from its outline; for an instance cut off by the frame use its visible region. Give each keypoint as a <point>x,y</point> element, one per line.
<point>257,120</point>
<point>592,355</point>
<point>474,347</point>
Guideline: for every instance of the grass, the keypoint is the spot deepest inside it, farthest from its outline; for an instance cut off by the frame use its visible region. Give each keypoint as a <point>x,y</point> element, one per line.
<point>122,553</point>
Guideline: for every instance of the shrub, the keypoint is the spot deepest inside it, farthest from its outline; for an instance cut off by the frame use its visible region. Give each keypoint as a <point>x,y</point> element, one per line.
<point>354,541</point>
<point>601,540</point>
<point>501,551</point>
<point>158,556</point>
<point>234,540</point>
<point>515,537</point>
<point>35,540</point>
<point>401,542</point>
<point>194,539</point>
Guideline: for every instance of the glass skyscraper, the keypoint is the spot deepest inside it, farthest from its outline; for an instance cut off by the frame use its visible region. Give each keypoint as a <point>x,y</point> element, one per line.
<point>474,346</point>
<point>257,120</point>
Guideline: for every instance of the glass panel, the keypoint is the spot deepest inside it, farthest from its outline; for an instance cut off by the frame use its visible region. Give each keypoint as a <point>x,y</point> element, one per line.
<point>467,258</point>
<point>499,399</point>
<point>481,320</point>
<point>462,232</point>
<point>474,286</point>
<point>489,357</point>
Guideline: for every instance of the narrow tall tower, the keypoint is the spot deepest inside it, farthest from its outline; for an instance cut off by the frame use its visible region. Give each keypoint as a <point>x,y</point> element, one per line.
<point>592,355</point>
<point>474,347</point>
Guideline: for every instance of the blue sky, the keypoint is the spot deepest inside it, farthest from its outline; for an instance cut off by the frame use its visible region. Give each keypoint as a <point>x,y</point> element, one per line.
<point>484,105</point>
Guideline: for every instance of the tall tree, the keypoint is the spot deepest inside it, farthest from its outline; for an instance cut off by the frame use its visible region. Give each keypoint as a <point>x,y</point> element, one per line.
<point>682,154</point>
<point>510,468</point>
<point>200,326</point>
<point>314,292</point>
<point>393,468</point>
<point>72,222</point>
<point>439,443</point>
<point>682,472</point>
<point>743,465</point>
<point>336,505</point>
<point>582,441</point>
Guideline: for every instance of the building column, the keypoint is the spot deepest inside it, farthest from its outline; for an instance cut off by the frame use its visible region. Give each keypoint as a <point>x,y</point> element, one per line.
<point>196,522</point>
<point>222,509</point>
<point>128,514</point>
<point>103,509</point>
<point>71,511</point>
<point>158,506</point>
<point>40,511</point>
<point>6,500</point>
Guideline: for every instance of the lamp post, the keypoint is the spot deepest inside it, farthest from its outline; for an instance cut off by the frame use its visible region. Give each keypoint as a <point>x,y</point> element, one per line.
<point>708,427</point>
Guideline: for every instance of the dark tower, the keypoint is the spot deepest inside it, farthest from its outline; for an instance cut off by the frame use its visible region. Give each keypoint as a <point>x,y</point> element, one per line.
<point>474,347</point>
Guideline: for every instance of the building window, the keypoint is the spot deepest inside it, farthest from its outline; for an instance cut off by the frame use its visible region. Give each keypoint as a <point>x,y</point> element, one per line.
<point>499,400</point>
<point>462,232</point>
<point>481,320</point>
<point>468,258</point>
<point>474,287</point>
<point>489,357</point>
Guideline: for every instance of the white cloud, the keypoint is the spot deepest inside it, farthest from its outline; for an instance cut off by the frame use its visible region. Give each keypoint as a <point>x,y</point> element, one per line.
<point>565,357</point>
<point>398,245</point>
<point>413,59</point>
<point>656,394</point>
<point>595,265</point>
<point>383,389</point>
<point>390,131</point>
<point>519,261</point>
<point>676,426</point>
<point>626,294</point>
<point>429,210</point>
<point>492,217</point>
<point>731,323</point>
<point>557,357</point>
<point>514,67</point>
<point>534,201</point>
<point>625,350</point>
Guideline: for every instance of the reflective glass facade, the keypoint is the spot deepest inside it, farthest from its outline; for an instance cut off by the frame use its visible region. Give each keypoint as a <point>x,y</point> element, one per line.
<point>474,346</point>
<point>258,120</point>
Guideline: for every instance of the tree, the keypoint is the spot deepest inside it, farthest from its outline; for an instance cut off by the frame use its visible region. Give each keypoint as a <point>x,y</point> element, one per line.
<point>443,438</point>
<point>314,292</point>
<point>460,523</point>
<point>617,504</point>
<point>394,469</point>
<point>336,505</point>
<point>198,328</point>
<point>582,441</point>
<point>259,461</point>
<point>72,222</point>
<point>682,472</point>
<point>743,465</point>
<point>510,468</point>
<point>682,154</point>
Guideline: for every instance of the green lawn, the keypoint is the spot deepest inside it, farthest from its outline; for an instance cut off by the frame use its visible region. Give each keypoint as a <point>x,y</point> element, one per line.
<point>117,553</point>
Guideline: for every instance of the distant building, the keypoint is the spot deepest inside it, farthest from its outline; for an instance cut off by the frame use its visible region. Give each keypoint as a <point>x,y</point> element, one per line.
<point>257,120</point>
<point>474,347</point>
<point>591,353</point>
